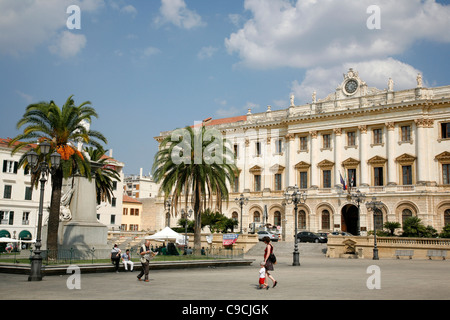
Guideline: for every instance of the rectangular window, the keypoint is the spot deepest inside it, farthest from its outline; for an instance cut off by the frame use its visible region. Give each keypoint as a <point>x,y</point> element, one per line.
<point>7,192</point>
<point>326,141</point>
<point>278,146</point>
<point>125,211</point>
<point>446,173</point>
<point>113,202</point>
<point>351,177</point>
<point>378,176</point>
<point>303,143</point>
<point>25,218</point>
<point>258,149</point>
<point>10,166</point>
<point>377,136</point>
<point>278,185</point>
<point>407,175</point>
<point>406,133</point>
<point>28,193</point>
<point>236,151</point>
<point>236,184</point>
<point>326,178</point>
<point>114,186</point>
<point>303,180</point>
<point>445,130</point>
<point>113,219</point>
<point>351,140</point>
<point>257,182</point>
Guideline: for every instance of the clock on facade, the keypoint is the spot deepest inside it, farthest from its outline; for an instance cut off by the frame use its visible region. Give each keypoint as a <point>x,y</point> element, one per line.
<point>351,86</point>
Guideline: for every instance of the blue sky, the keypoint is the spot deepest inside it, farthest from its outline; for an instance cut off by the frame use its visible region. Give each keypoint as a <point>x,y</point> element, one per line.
<point>155,65</point>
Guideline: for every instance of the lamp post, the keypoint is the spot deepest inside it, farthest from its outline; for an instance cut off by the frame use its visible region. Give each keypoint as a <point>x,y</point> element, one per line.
<point>186,215</point>
<point>241,201</point>
<point>375,207</point>
<point>296,197</point>
<point>44,170</point>
<point>358,197</point>
<point>167,206</point>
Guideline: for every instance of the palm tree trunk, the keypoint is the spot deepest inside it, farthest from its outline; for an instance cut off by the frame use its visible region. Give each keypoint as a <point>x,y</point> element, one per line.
<point>53,219</point>
<point>198,220</point>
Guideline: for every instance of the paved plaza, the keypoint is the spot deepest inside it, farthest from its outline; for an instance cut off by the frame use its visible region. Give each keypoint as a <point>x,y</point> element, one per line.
<point>317,278</point>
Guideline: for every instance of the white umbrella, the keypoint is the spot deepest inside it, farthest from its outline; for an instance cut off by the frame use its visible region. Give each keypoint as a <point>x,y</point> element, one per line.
<point>5,239</point>
<point>166,234</point>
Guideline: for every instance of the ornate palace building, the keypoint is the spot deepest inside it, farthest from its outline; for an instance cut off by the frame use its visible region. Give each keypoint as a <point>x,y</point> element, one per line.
<point>392,145</point>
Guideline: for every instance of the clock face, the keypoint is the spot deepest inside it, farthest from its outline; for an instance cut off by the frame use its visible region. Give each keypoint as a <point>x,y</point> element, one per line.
<point>351,86</point>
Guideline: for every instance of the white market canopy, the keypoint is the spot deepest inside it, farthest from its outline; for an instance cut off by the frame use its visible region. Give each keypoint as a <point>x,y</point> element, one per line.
<point>167,234</point>
<point>5,239</point>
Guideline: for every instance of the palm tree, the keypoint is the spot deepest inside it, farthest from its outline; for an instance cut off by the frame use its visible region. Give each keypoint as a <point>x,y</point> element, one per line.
<point>104,174</point>
<point>197,168</point>
<point>63,128</point>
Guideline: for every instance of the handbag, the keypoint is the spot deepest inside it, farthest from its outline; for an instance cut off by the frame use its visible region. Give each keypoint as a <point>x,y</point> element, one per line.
<point>272,258</point>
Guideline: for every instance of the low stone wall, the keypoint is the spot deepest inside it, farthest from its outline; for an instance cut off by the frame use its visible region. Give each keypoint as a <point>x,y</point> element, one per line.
<point>362,247</point>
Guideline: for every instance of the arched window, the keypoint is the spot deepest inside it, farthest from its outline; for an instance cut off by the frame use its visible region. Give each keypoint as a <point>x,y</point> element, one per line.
<point>235,216</point>
<point>406,213</point>
<point>256,216</point>
<point>302,219</point>
<point>446,217</point>
<point>325,220</point>
<point>277,218</point>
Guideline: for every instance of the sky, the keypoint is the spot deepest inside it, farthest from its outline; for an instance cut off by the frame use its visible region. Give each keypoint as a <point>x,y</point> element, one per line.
<point>149,66</point>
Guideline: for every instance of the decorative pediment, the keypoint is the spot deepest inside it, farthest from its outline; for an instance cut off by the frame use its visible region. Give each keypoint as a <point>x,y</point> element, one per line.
<point>302,165</point>
<point>276,168</point>
<point>256,170</point>
<point>443,157</point>
<point>350,162</point>
<point>377,160</point>
<point>405,159</point>
<point>325,164</point>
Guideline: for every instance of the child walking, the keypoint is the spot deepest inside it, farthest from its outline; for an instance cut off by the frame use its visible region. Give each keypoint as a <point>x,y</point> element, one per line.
<point>262,277</point>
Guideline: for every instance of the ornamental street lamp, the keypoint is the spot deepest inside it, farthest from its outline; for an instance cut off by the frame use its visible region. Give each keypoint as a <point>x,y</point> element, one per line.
<point>44,170</point>
<point>358,197</point>
<point>186,215</point>
<point>375,207</point>
<point>241,201</point>
<point>296,197</point>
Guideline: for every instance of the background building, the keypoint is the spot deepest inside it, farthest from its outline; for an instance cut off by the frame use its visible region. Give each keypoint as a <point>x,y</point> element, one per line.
<point>132,213</point>
<point>392,145</point>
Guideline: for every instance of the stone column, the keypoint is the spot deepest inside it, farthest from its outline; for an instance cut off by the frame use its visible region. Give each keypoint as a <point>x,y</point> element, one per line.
<point>363,143</point>
<point>337,155</point>
<point>314,169</point>
<point>392,171</point>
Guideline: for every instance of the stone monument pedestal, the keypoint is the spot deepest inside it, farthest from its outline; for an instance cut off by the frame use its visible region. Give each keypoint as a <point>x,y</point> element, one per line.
<point>83,231</point>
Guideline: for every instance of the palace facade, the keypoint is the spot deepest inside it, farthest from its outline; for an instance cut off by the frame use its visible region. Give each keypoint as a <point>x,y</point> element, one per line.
<point>392,145</point>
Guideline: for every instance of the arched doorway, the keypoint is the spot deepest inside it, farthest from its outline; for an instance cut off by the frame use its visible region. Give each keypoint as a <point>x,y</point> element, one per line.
<point>350,219</point>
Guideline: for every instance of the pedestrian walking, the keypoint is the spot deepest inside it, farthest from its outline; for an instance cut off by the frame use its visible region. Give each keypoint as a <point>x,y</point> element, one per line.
<point>262,277</point>
<point>126,260</point>
<point>269,260</point>
<point>146,255</point>
<point>115,257</point>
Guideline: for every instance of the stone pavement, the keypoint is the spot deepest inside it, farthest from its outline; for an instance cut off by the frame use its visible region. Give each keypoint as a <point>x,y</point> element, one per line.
<point>317,278</point>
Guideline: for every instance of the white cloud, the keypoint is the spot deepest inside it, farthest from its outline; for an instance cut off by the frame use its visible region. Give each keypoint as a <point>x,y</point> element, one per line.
<point>305,34</point>
<point>177,13</point>
<point>375,73</point>
<point>206,52</point>
<point>25,25</point>
<point>68,44</point>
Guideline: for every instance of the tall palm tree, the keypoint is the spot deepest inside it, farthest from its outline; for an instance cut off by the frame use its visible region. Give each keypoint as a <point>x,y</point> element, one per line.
<point>63,128</point>
<point>197,168</point>
<point>104,174</point>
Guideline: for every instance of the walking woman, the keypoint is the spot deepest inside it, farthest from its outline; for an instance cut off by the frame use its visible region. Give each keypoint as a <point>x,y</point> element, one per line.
<point>269,264</point>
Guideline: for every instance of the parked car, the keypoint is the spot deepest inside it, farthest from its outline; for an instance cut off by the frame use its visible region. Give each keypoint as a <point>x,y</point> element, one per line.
<point>341,233</point>
<point>307,236</point>
<point>272,236</point>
